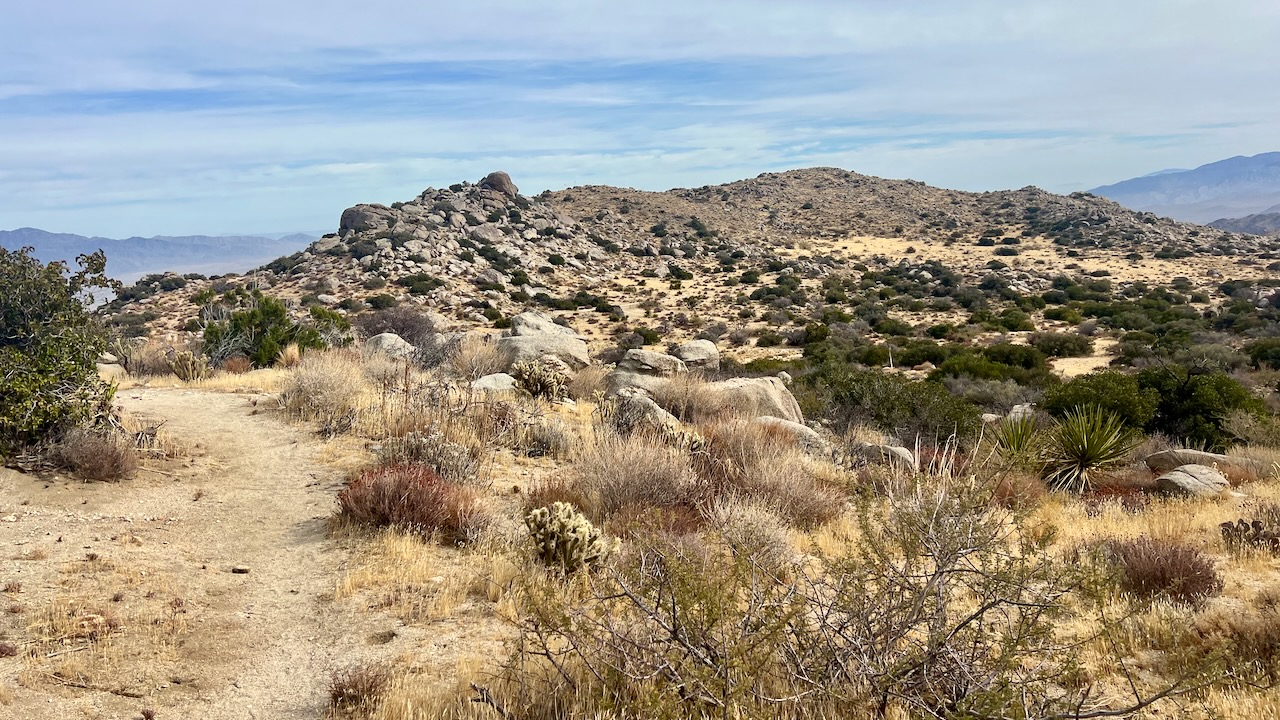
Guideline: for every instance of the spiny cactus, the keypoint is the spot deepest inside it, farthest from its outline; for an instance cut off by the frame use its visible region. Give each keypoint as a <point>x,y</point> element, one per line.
<point>565,538</point>
<point>188,366</point>
<point>541,379</point>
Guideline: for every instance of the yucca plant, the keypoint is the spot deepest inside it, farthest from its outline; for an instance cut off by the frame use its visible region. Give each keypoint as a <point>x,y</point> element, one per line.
<point>1018,441</point>
<point>1086,440</point>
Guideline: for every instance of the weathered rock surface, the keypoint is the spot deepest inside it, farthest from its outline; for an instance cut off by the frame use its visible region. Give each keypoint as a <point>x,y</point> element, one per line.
<point>391,345</point>
<point>535,323</point>
<point>1167,460</point>
<point>892,455</point>
<point>569,350</point>
<point>698,355</point>
<point>647,362</point>
<point>1197,480</point>
<point>495,383</point>
<point>755,397</point>
<point>805,436</point>
<point>501,182</point>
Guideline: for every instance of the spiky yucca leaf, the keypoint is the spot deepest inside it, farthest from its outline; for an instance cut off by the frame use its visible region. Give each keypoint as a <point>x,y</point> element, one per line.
<point>1018,441</point>
<point>1085,441</point>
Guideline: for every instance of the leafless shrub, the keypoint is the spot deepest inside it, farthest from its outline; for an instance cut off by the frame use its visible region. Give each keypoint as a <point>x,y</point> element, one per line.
<point>433,449</point>
<point>237,365</point>
<point>478,355</point>
<point>587,382</point>
<point>689,397</point>
<point>548,437</point>
<point>359,688</point>
<point>753,530</point>
<point>325,386</point>
<point>415,498</point>
<point>616,472</point>
<point>99,455</point>
<point>1149,568</point>
<point>1017,490</point>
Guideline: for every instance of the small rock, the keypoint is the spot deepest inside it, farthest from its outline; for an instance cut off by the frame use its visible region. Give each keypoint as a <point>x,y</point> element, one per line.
<point>240,570</point>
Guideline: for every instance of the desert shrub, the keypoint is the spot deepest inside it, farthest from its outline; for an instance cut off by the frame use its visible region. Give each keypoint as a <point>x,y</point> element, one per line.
<point>476,356</point>
<point>49,347</point>
<point>565,539</point>
<point>1018,490</point>
<point>1150,568</point>
<point>909,409</point>
<point>359,688</point>
<point>1114,392</point>
<point>1194,405</point>
<point>1264,353</point>
<point>140,359</point>
<point>290,355</point>
<point>614,473</point>
<point>1019,442</point>
<point>541,379</point>
<point>413,498</point>
<point>237,365</point>
<point>688,397</point>
<point>588,381</point>
<point>411,324</point>
<point>1085,441</point>
<point>99,455</point>
<point>259,333</point>
<point>753,530</point>
<point>324,386</point>
<point>454,461</point>
<point>998,396</point>
<point>549,437</point>
<point>1062,344</point>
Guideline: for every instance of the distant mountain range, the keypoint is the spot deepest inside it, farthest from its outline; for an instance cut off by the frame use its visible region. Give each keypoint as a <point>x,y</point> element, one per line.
<point>131,258</point>
<point>1266,222</point>
<point>1229,188</point>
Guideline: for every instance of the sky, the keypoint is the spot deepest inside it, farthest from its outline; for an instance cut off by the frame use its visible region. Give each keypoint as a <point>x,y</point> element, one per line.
<point>146,117</point>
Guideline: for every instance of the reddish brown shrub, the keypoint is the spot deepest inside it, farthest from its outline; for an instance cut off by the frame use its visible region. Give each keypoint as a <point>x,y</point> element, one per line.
<point>636,521</point>
<point>358,688</point>
<point>413,497</point>
<point>1018,490</point>
<point>1149,568</point>
<point>237,365</point>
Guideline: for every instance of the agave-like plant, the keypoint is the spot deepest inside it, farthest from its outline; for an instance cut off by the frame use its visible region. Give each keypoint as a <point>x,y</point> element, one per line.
<point>1018,441</point>
<point>1086,440</point>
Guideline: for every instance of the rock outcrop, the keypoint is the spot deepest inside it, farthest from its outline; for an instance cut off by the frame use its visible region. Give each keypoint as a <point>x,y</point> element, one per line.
<point>1195,480</point>
<point>1167,460</point>
<point>698,355</point>
<point>500,182</point>
<point>391,345</point>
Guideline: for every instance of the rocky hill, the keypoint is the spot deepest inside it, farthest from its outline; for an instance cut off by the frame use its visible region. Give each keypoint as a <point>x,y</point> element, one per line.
<point>1228,188</point>
<point>1263,223</point>
<point>609,259</point>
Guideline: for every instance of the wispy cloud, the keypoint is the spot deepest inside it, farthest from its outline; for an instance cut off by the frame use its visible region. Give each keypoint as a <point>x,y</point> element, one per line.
<point>158,117</point>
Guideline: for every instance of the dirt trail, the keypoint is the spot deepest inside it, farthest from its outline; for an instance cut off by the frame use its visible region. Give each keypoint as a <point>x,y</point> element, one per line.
<point>257,645</point>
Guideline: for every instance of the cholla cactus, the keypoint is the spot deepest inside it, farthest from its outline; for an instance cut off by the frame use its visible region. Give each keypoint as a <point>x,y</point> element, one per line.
<point>188,366</point>
<point>565,538</point>
<point>541,379</point>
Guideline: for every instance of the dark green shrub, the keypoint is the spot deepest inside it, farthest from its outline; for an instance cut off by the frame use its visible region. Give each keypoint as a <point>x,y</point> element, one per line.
<point>259,333</point>
<point>48,348</point>
<point>382,301</point>
<point>1264,353</point>
<point>910,409</point>
<point>1194,404</point>
<point>1114,392</point>
<point>1062,344</point>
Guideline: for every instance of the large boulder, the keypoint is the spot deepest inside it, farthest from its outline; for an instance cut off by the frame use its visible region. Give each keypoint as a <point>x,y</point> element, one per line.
<point>618,382</point>
<point>804,436</point>
<point>391,345</point>
<point>754,397</point>
<point>535,323</point>
<point>500,182</point>
<point>1167,460</point>
<point>572,351</point>
<point>635,410</point>
<point>363,217</point>
<point>698,354</point>
<point>1197,480</point>
<point>647,362</point>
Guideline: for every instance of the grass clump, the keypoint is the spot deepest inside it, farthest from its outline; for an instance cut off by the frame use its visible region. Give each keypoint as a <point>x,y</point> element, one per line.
<point>1150,568</point>
<point>413,498</point>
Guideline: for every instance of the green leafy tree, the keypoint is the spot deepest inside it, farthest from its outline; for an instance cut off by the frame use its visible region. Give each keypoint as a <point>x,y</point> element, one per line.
<point>1194,403</point>
<point>1115,392</point>
<point>49,346</point>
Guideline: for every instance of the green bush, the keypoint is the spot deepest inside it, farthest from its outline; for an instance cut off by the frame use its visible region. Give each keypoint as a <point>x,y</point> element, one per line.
<point>1194,404</point>
<point>261,332</point>
<point>907,408</point>
<point>1264,353</point>
<point>1062,344</point>
<point>1085,441</point>
<point>48,348</point>
<point>1114,392</point>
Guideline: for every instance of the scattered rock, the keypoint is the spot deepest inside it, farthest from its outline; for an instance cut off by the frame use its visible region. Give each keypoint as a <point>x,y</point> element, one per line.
<point>1167,460</point>
<point>698,355</point>
<point>805,436</point>
<point>1022,412</point>
<point>535,323</point>
<point>327,299</point>
<point>391,345</point>
<point>495,383</point>
<point>991,418</point>
<point>240,570</point>
<point>647,362</point>
<point>570,350</point>
<point>892,455</point>
<point>1196,480</point>
<point>784,376</point>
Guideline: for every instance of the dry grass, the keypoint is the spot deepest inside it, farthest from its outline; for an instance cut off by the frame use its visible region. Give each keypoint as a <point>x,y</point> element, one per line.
<point>324,386</point>
<point>613,473</point>
<point>588,382</point>
<point>289,356</point>
<point>477,356</point>
<point>97,455</point>
<point>689,398</point>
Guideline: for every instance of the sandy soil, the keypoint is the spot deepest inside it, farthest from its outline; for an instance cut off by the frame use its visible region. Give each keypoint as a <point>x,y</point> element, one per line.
<point>197,640</point>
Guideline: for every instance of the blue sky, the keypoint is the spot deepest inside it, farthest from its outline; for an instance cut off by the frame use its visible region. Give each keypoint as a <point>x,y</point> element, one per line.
<point>147,117</point>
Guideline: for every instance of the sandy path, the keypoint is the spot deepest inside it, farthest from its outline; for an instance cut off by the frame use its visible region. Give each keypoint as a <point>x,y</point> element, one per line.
<point>260,645</point>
